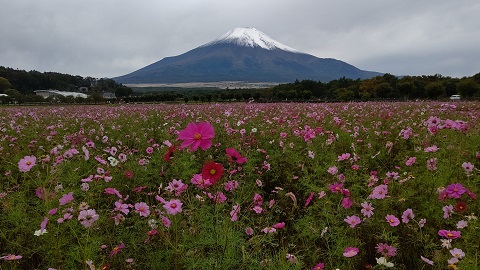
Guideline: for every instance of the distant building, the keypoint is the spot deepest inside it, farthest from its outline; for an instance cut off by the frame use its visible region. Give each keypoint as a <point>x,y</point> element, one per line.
<point>56,93</point>
<point>108,95</point>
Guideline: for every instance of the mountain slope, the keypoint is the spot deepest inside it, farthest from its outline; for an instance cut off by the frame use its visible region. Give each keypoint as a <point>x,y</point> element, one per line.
<point>243,54</point>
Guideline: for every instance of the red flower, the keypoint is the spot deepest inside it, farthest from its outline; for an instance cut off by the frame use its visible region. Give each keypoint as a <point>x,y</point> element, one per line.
<point>169,155</point>
<point>212,171</point>
<point>129,174</point>
<point>461,207</point>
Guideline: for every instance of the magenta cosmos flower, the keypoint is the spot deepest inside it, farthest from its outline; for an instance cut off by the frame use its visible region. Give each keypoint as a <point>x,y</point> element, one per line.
<point>234,156</point>
<point>449,234</point>
<point>350,252</point>
<point>197,135</point>
<point>173,207</point>
<point>26,163</point>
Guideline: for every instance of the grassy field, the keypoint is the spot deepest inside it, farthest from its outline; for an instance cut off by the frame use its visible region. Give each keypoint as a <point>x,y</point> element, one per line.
<point>241,186</point>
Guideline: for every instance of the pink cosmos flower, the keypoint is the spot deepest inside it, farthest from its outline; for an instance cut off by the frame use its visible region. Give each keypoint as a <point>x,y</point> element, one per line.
<point>350,252</point>
<point>87,217</point>
<point>166,222</point>
<point>66,198</point>
<point>455,190</point>
<point>309,199</point>
<point>410,161</point>
<point>447,211</point>
<point>234,212</point>
<point>11,257</point>
<point>200,182</point>
<point>142,209</point>
<point>431,149</point>
<point>352,221</point>
<point>279,225</point>
<point>319,266</point>
<point>432,164</point>
<point>218,197</point>
<point>344,156</point>
<point>346,203</point>
<point>234,156</point>
<point>332,170</point>
<point>335,187</point>
<point>231,185</point>
<point>407,215</point>
<point>269,230</point>
<point>173,206</point>
<point>386,250</point>
<point>176,186</point>
<point>450,234</point>
<point>117,249</point>
<point>113,191</point>
<point>122,207</point>
<point>197,135</point>
<point>457,253</point>
<point>468,167</point>
<point>392,220</point>
<point>379,192</point>
<point>249,231</point>
<point>367,209</point>
<point>26,163</point>
<point>426,260</point>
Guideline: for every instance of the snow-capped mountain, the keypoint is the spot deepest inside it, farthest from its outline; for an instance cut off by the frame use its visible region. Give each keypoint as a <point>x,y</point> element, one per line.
<point>250,37</point>
<point>243,54</point>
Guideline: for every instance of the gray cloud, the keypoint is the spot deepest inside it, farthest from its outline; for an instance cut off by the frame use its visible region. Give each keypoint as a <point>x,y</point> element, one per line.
<point>113,37</point>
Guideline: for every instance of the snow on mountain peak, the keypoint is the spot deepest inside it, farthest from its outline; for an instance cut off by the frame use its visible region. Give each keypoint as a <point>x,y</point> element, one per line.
<point>251,37</point>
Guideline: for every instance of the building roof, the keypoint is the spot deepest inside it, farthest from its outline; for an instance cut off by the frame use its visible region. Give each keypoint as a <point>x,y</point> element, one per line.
<point>62,93</point>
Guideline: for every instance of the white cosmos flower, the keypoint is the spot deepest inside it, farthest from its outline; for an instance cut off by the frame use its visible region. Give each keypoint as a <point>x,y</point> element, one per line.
<point>383,261</point>
<point>113,161</point>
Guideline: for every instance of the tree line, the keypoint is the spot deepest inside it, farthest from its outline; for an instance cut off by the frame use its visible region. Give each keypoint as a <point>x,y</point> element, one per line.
<point>20,86</point>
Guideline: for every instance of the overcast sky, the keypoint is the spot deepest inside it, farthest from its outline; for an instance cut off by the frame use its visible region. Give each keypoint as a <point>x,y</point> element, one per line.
<point>108,38</point>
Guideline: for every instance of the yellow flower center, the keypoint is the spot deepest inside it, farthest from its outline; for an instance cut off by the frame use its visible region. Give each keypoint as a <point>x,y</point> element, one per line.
<point>213,171</point>
<point>173,205</point>
<point>449,234</point>
<point>28,163</point>
<point>197,136</point>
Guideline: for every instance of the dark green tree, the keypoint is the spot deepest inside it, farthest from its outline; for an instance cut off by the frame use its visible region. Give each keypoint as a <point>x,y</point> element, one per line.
<point>4,84</point>
<point>434,90</point>
<point>123,91</point>
<point>468,88</point>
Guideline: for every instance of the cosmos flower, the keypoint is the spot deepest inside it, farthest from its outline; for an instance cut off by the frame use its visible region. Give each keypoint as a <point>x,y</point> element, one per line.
<point>197,135</point>
<point>173,206</point>
<point>234,156</point>
<point>352,221</point>
<point>350,252</point>
<point>450,234</point>
<point>26,163</point>
<point>212,171</point>
<point>87,217</point>
<point>142,209</point>
<point>392,220</point>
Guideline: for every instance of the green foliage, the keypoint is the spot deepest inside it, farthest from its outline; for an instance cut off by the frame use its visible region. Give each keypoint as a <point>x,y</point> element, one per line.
<point>290,149</point>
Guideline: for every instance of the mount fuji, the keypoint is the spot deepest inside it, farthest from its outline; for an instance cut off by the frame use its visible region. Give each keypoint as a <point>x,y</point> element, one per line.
<point>247,55</point>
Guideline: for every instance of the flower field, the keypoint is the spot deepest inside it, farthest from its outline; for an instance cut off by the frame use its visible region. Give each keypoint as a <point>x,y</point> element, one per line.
<point>241,186</point>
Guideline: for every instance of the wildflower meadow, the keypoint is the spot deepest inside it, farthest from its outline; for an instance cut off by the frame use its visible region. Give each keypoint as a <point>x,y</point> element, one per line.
<point>241,186</point>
